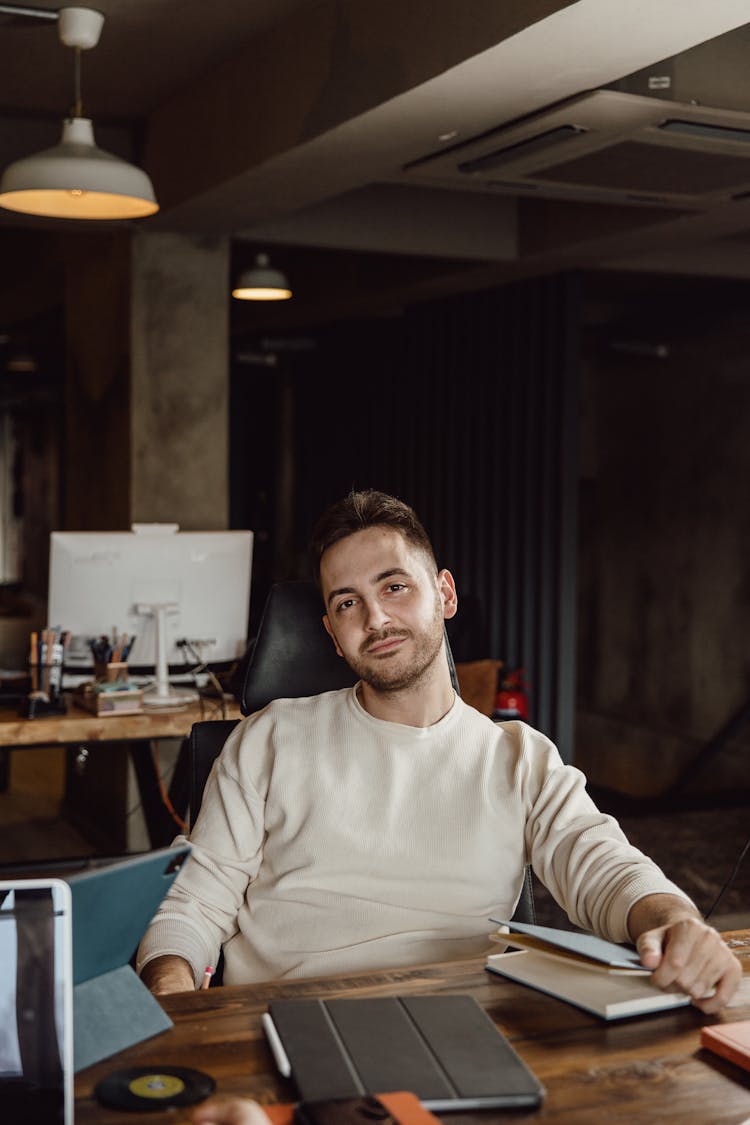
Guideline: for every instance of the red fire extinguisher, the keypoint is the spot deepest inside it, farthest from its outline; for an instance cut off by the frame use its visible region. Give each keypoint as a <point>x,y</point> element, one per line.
<point>512,699</point>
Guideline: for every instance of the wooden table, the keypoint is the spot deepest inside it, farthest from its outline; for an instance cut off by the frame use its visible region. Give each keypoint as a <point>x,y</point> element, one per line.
<point>80,728</point>
<point>638,1071</point>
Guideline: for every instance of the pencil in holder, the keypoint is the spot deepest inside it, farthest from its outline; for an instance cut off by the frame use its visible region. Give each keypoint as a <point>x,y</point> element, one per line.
<point>46,658</point>
<point>47,669</point>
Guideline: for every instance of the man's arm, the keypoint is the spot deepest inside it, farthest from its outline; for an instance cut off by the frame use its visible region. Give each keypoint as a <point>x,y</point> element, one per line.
<point>168,973</point>
<point>684,952</point>
<point>200,911</point>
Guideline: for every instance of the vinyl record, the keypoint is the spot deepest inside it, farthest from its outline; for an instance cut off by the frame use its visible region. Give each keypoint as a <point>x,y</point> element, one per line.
<point>154,1087</point>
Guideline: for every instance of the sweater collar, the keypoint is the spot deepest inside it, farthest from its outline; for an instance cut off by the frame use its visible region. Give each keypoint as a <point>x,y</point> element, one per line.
<point>450,717</point>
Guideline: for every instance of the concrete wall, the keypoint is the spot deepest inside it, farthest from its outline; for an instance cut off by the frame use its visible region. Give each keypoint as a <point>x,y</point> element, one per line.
<point>179,334</point>
<point>147,384</point>
<point>664,582</point>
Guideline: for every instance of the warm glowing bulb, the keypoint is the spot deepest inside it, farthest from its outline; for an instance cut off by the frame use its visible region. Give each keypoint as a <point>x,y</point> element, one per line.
<point>260,293</point>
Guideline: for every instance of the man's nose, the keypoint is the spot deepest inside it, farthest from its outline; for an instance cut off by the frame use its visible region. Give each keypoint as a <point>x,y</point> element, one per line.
<point>376,615</point>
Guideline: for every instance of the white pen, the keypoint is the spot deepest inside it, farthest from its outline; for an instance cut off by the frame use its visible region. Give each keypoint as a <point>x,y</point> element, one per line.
<point>277,1050</point>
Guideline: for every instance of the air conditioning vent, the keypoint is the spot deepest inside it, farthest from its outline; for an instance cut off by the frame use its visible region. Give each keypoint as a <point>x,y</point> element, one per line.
<point>607,145</point>
<point>642,166</point>
<point>534,145</point>
<point>706,132</point>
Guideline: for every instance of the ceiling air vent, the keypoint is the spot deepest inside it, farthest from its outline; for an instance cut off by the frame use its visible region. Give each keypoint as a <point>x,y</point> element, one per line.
<point>607,145</point>
<point>494,160</point>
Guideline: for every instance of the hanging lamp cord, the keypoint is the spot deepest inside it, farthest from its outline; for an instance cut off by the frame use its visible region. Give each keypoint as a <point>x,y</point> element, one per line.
<point>77,110</point>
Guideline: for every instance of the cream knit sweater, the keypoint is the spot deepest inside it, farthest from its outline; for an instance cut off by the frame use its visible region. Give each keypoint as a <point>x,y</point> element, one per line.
<point>331,841</point>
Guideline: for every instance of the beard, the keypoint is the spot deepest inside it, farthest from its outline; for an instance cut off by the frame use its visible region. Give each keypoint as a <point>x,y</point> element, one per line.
<point>401,671</point>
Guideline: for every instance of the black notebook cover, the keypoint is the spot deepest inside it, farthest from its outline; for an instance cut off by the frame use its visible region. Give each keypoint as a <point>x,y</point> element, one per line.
<point>444,1049</point>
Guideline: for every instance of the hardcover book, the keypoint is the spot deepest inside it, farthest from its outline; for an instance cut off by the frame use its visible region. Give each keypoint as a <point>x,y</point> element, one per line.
<point>731,1040</point>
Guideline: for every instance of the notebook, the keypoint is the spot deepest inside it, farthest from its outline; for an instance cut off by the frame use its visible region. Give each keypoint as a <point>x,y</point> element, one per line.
<point>444,1049</point>
<point>572,946</point>
<point>731,1040</point>
<point>600,976</point>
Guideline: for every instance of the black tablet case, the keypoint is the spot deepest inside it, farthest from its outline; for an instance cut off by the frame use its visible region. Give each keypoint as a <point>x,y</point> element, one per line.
<point>444,1049</point>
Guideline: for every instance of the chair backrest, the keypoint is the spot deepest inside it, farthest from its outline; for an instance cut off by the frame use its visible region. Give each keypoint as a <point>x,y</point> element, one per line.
<point>292,656</point>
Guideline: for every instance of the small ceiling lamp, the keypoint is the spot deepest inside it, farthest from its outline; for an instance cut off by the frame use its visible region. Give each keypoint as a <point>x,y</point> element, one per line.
<point>77,180</point>
<point>262,283</point>
<point>21,361</point>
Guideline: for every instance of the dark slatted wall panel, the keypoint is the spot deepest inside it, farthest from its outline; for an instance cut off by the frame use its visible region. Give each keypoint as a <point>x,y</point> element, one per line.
<point>466,408</point>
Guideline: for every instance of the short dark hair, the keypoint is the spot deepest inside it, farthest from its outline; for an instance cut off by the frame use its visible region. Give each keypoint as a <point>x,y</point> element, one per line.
<point>359,511</point>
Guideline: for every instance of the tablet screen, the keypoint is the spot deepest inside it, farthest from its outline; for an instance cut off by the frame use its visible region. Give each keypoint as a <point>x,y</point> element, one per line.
<point>35,1002</point>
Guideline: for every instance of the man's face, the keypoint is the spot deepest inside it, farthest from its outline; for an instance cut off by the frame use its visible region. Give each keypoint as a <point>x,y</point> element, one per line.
<point>385,607</point>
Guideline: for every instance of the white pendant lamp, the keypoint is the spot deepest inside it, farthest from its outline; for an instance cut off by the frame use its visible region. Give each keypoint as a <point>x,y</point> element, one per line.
<point>262,283</point>
<point>76,179</point>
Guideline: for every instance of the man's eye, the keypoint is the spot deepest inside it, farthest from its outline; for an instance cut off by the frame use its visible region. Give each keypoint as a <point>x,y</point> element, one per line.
<point>346,604</point>
<point>396,586</point>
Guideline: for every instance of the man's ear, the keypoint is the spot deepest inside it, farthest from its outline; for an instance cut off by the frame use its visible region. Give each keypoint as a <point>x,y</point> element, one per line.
<point>447,589</point>
<point>329,630</point>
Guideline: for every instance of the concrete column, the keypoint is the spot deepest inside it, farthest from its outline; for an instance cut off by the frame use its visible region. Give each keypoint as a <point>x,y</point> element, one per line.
<point>179,380</point>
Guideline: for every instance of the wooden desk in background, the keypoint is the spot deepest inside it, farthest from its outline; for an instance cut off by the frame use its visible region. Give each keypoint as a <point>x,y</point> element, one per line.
<point>637,1071</point>
<point>79,728</point>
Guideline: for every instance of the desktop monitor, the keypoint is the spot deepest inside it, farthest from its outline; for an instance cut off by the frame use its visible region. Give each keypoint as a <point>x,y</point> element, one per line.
<point>106,581</point>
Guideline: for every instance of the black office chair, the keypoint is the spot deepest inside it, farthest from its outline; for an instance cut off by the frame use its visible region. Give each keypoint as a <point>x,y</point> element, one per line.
<point>293,656</point>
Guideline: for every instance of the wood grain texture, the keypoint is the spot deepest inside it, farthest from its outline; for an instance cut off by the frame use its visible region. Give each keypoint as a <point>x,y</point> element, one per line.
<point>646,1070</point>
<point>80,726</point>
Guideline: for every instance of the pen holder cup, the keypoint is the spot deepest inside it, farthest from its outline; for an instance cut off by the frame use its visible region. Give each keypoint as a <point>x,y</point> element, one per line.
<point>46,675</point>
<point>45,697</point>
<point>111,673</point>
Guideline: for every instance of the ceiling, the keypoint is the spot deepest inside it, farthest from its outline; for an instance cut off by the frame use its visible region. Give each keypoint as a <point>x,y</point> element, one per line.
<point>359,142</point>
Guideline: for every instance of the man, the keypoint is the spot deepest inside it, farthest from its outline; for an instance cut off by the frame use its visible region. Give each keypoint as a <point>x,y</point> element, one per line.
<point>383,825</point>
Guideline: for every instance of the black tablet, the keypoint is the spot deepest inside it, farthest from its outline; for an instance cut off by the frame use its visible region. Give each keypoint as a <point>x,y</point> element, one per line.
<point>444,1048</point>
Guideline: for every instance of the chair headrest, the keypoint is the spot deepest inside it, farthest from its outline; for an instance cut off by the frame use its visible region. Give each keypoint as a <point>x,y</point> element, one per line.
<point>293,655</point>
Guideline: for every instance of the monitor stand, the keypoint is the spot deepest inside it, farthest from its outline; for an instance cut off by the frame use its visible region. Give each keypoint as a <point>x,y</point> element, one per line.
<point>162,694</point>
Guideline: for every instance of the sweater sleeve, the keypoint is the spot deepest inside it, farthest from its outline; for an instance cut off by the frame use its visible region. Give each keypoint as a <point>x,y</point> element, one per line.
<point>199,913</point>
<point>581,854</point>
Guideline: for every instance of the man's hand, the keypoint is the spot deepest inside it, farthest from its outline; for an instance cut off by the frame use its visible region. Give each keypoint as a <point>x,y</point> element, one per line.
<point>168,974</point>
<point>229,1111</point>
<point>685,953</point>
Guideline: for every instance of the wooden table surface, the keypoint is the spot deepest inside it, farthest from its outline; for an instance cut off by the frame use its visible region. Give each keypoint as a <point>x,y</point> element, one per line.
<point>640,1070</point>
<point>81,726</point>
